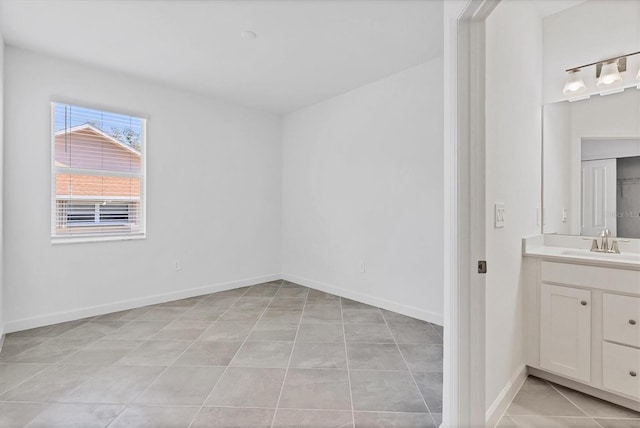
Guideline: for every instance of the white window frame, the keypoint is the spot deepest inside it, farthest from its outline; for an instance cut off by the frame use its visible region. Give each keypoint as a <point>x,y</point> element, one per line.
<point>142,175</point>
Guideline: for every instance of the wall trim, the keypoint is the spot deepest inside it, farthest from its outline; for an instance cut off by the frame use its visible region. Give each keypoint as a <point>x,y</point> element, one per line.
<point>2,336</point>
<point>506,396</point>
<point>411,311</point>
<point>90,311</point>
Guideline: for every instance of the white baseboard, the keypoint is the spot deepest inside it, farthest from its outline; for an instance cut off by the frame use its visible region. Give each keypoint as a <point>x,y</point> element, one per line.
<point>75,314</point>
<point>90,311</point>
<point>506,396</point>
<point>411,311</point>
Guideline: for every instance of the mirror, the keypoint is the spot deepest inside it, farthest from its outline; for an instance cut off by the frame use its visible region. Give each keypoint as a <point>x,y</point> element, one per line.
<point>591,166</point>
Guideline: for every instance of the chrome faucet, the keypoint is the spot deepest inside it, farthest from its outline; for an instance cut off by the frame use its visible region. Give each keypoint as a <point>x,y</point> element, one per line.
<point>604,243</point>
<point>605,246</point>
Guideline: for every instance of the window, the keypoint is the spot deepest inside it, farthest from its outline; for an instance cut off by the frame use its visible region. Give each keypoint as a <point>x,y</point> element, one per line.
<point>98,175</point>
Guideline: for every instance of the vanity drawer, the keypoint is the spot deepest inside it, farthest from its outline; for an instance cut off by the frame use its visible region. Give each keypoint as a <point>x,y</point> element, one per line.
<point>621,369</point>
<point>621,319</point>
<point>617,280</point>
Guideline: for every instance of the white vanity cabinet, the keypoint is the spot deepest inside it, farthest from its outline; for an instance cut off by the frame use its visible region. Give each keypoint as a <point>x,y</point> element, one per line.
<point>565,331</point>
<point>621,349</point>
<point>582,326</point>
<point>621,319</point>
<point>620,365</point>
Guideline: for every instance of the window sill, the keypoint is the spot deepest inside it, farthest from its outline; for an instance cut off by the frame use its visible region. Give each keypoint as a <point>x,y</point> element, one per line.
<point>88,239</point>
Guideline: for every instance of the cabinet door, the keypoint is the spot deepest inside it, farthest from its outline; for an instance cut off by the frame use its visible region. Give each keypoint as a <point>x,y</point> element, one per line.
<point>565,331</point>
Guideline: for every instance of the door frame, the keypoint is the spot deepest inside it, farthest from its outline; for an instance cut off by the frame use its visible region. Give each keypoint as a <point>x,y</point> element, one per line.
<point>464,402</point>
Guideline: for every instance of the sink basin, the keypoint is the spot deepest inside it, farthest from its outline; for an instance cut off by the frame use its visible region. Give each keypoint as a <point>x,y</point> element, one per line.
<point>627,257</point>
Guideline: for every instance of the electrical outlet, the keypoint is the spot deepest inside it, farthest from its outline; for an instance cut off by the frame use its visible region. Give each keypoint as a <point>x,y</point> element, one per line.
<point>565,215</point>
<point>499,215</point>
<point>363,267</point>
<point>178,264</point>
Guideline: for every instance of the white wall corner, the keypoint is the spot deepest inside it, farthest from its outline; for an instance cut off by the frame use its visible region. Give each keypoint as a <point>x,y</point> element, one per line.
<point>410,311</point>
<point>90,311</point>
<point>506,396</point>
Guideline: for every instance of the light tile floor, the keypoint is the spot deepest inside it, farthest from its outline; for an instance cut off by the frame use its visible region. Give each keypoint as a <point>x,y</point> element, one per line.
<point>544,404</point>
<point>271,355</point>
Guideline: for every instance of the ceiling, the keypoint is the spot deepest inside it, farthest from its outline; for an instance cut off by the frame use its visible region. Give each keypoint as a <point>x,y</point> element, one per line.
<point>306,50</point>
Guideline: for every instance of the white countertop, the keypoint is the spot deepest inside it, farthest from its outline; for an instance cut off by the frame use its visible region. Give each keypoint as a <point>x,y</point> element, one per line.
<point>549,248</point>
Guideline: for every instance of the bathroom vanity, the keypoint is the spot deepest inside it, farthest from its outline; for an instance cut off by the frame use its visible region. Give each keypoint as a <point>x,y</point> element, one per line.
<point>582,316</point>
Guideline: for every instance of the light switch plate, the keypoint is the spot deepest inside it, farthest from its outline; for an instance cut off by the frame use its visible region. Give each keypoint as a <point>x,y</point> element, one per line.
<point>498,215</point>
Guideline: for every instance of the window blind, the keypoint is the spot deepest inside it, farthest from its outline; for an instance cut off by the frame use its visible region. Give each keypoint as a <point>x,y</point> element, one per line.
<point>98,174</point>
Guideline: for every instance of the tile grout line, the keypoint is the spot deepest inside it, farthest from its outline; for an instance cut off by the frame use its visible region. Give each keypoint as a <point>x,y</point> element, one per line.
<point>259,367</point>
<point>503,417</point>
<point>346,355</point>
<point>434,329</point>
<point>570,401</point>
<point>286,372</point>
<point>195,406</point>
<point>48,366</point>
<point>47,339</point>
<point>142,341</point>
<point>409,369</point>
<point>61,363</point>
<point>529,415</point>
<point>126,405</point>
<point>93,341</point>
<point>237,351</point>
<point>192,406</point>
<point>57,364</point>
<point>563,417</point>
<point>308,304</point>
<point>174,360</point>
<point>513,418</point>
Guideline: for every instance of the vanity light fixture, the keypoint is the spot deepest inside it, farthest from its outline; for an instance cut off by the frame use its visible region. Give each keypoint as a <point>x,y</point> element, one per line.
<point>608,75</point>
<point>574,84</point>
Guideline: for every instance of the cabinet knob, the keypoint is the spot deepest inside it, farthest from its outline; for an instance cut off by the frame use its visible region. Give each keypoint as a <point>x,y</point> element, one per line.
<point>583,302</point>
<point>632,322</point>
<point>633,374</point>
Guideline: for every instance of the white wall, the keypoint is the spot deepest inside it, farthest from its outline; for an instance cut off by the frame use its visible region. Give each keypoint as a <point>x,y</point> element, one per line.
<point>363,182</point>
<point>214,196</point>
<point>513,176</point>
<point>592,31</point>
